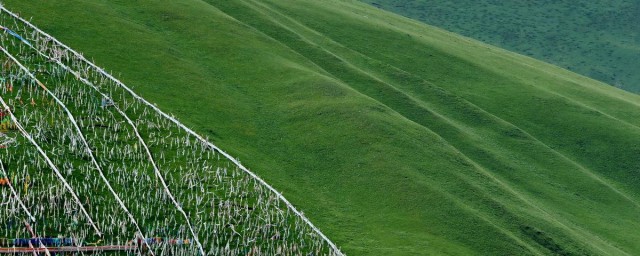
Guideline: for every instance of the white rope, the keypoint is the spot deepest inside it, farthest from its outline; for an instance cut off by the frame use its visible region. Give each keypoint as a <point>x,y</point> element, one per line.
<point>33,235</point>
<point>157,171</point>
<point>50,163</point>
<point>148,153</point>
<point>93,160</point>
<point>22,205</point>
<point>13,191</point>
<point>15,194</point>
<point>212,146</point>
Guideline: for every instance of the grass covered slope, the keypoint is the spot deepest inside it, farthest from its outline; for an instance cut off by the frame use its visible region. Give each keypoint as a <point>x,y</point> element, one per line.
<point>393,137</point>
<point>599,39</point>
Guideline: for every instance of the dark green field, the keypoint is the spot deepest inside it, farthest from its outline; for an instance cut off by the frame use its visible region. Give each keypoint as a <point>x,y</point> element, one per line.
<point>599,39</point>
<point>393,137</point>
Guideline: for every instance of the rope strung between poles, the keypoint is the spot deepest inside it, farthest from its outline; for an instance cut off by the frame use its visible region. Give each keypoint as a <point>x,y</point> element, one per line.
<point>89,151</point>
<point>82,138</point>
<point>336,250</point>
<point>24,208</point>
<point>139,137</point>
<point>13,191</point>
<point>50,163</point>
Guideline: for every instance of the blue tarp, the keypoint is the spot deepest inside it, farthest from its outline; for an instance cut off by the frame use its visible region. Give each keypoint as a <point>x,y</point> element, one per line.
<point>50,242</point>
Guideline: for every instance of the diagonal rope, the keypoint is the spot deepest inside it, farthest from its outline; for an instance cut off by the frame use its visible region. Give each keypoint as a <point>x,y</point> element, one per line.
<point>13,191</point>
<point>22,205</point>
<point>130,122</point>
<point>33,235</point>
<point>336,250</point>
<point>147,151</point>
<point>50,163</point>
<point>86,144</point>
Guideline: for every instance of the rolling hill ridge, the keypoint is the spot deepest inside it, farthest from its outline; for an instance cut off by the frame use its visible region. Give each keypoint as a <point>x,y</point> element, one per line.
<point>598,39</point>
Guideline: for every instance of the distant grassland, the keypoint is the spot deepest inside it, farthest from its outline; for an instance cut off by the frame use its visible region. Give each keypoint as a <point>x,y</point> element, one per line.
<point>599,39</point>
<point>393,137</point>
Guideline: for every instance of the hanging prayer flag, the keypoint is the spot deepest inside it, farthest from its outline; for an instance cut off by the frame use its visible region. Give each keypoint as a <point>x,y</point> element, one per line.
<point>16,35</point>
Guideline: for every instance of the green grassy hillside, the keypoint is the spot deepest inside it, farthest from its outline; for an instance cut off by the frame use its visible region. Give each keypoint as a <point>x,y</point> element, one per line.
<point>599,39</point>
<point>394,138</point>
